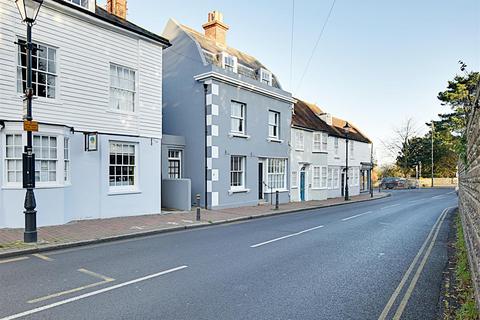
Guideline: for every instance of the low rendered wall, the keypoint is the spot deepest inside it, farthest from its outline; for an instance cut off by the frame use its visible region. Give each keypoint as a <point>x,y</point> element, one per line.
<point>176,194</point>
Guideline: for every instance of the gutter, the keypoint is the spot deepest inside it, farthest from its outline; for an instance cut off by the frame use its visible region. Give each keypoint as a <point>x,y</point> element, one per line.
<point>242,84</point>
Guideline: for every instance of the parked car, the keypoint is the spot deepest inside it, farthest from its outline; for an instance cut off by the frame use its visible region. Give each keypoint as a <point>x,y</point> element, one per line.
<point>389,183</point>
<point>412,184</point>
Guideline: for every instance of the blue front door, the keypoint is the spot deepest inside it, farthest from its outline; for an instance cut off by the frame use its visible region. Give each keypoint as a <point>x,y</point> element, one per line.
<point>302,185</point>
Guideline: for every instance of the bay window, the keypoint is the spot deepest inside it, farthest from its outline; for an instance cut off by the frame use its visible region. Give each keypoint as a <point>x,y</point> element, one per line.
<point>13,157</point>
<point>46,158</point>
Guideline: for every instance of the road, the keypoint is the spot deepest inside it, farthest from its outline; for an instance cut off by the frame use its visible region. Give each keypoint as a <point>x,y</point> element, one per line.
<point>373,260</point>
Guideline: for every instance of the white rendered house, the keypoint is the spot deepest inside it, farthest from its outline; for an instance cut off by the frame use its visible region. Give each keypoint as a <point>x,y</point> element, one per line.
<point>95,76</point>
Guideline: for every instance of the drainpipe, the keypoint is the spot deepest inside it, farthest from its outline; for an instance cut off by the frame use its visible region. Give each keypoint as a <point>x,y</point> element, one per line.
<point>205,90</point>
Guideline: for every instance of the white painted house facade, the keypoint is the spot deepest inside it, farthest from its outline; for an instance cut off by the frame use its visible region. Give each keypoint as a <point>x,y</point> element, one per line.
<point>318,156</point>
<point>96,75</point>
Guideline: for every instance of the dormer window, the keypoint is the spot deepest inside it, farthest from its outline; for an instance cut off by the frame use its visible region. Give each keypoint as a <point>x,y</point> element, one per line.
<point>229,62</point>
<point>265,76</point>
<point>81,3</point>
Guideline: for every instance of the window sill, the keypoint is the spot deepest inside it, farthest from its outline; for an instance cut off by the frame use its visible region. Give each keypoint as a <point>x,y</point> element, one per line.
<point>319,188</point>
<point>294,187</point>
<point>113,192</point>
<point>300,150</point>
<point>19,187</point>
<point>238,135</point>
<point>125,113</point>
<point>232,191</point>
<point>270,139</point>
<point>319,151</point>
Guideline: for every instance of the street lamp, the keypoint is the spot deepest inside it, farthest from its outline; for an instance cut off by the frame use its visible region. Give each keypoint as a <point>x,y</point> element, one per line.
<point>29,11</point>
<point>346,131</point>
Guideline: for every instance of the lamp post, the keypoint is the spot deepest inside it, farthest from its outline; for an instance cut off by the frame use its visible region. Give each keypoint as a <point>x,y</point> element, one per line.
<point>346,130</point>
<point>29,11</point>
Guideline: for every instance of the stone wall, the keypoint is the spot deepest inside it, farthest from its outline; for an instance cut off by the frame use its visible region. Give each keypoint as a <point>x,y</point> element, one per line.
<point>469,178</point>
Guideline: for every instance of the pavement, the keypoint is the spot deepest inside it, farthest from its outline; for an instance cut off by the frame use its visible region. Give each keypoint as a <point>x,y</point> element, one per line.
<point>85,232</point>
<point>378,259</point>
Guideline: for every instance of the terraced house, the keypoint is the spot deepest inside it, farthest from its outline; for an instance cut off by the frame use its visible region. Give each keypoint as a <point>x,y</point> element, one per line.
<point>97,81</point>
<point>318,156</point>
<point>234,115</point>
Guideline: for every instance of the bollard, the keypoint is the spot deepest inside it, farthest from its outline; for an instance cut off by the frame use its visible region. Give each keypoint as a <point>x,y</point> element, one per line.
<point>198,206</point>
<point>276,200</point>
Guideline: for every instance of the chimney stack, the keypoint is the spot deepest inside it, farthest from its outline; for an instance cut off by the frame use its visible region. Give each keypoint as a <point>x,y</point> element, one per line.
<point>118,8</point>
<point>215,29</point>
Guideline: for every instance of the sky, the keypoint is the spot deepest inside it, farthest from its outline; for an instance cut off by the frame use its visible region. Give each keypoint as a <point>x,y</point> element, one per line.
<point>377,64</point>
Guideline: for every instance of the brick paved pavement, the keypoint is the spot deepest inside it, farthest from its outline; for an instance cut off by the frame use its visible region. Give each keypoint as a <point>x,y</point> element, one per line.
<point>11,240</point>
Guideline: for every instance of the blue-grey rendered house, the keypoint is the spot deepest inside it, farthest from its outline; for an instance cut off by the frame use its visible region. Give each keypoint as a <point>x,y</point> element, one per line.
<point>233,113</point>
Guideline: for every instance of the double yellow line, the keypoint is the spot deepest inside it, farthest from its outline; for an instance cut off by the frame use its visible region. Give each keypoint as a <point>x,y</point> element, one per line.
<point>430,242</point>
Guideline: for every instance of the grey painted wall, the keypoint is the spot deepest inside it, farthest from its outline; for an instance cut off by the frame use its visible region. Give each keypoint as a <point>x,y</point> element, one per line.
<point>184,114</point>
<point>176,194</point>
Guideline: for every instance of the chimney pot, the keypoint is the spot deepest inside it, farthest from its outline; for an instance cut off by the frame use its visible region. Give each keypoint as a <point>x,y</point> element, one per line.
<point>117,8</point>
<point>215,28</point>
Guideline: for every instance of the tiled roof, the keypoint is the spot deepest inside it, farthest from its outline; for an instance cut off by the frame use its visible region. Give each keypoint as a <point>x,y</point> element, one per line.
<point>306,115</point>
<point>244,59</point>
<point>103,14</point>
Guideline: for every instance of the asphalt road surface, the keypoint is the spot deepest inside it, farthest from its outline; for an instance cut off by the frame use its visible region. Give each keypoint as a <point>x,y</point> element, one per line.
<point>381,259</point>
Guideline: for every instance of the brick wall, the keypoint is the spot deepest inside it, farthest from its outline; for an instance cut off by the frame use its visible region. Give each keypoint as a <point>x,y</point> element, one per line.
<point>469,178</point>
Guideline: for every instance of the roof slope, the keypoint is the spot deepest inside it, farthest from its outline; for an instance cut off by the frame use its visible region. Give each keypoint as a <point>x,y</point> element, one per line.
<point>104,15</point>
<point>245,60</point>
<point>305,117</point>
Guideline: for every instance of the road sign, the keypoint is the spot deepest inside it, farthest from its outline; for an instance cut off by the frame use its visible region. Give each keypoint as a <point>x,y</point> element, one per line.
<point>30,126</point>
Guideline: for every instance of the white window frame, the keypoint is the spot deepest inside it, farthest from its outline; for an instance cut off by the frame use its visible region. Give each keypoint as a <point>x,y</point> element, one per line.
<point>233,66</point>
<point>176,158</point>
<point>275,124</point>
<point>294,179</point>
<point>67,168</point>
<point>59,134</point>
<point>336,143</point>
<point>81,3</point>
<point>320,177</point>
<point>242,117</point>
<point>336,178</point>
<point>324,147</point>
<point>278,170</point>
<point>49,73</point>
<point>16,158</point>
<point>352,149</point>
<point>266,76</point>
<point>299,140</point>
<point>39,158</point>
<point>330,178</point>
<point>317,142</point>
<point>242,161</point>
<point>115,86</point>
<point>123,188</point>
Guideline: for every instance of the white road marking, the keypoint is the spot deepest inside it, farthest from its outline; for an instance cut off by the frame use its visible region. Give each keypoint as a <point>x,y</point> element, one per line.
<point>391,206</point>
<point>357,215</point>
<point>284,237</point>
<point>400,286</point>
<point>412,285</point>
<point>187,221</point>
<point>41,256</point>
<point>89,294</point>
<point>13,260</point>
<point>95,275</point>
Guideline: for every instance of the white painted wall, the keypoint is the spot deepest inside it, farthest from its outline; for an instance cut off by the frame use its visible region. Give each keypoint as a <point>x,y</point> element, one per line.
<point>86,47</point>
<point>336,159</point>
<point>308,159</point>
